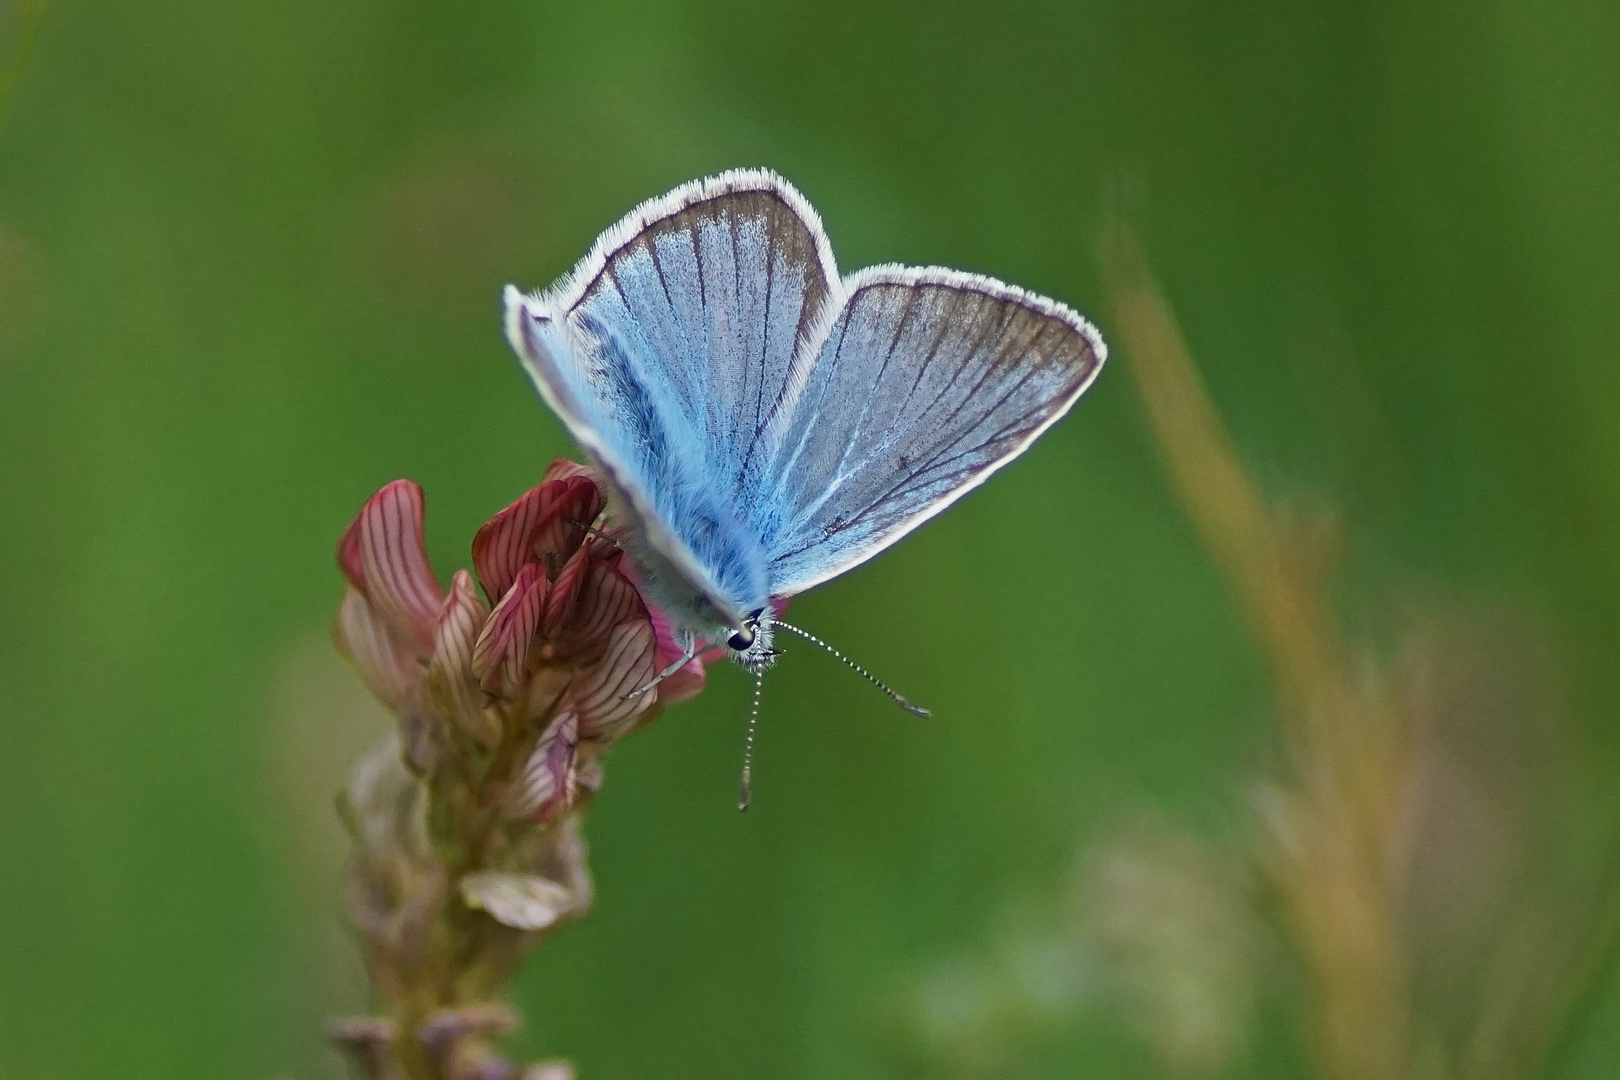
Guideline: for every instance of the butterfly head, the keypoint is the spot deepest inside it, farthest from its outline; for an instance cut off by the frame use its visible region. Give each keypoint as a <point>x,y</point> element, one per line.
<point>750,644</point>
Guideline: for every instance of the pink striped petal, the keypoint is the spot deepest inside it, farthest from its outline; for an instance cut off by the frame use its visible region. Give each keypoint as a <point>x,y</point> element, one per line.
<point>348,554</point>
<point>392,559</point>
<point>563,469</point>
<point>599,692</point>
<point>546,787</point>
<point>605,599</point>
<point>455,688</point>
<point>388,664</point>
<point>500,656</point>
<point>502,546</point>
<point>564,589</point>
<point>514,536</point>
<point>576,504</point>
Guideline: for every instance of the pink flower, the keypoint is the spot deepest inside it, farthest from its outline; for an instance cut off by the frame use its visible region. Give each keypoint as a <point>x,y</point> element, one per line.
<point>546,662</point>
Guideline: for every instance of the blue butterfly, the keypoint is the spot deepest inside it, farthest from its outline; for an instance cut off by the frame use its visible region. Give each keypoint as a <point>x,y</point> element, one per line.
<point>764,423</point>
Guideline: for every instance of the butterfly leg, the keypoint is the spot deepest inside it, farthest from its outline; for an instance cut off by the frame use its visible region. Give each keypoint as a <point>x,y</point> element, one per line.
<point>686,658</point>
<point>612,536</point>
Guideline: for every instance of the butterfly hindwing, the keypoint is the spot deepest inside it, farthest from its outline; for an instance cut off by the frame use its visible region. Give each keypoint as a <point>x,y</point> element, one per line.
<point>927,382</point>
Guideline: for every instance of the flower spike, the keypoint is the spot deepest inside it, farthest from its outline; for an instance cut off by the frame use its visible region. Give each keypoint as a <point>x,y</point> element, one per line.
<point>467,821</point>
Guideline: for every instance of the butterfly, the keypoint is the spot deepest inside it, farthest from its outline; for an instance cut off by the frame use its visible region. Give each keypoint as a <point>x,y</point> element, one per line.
<point>764,423</point>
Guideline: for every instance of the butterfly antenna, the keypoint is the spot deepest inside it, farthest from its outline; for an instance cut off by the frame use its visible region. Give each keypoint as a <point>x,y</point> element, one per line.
<point>904,702</point>
<point>745,790</point>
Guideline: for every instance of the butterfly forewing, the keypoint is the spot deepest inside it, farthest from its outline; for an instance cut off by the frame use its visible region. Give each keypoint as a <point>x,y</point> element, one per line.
<point>927,382</point>
<point>676,340</point>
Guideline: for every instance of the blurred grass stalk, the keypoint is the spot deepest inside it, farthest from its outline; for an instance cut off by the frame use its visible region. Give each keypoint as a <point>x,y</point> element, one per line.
<point>22,23</point>
<point>1350,821</point>
<point>1337,826</point>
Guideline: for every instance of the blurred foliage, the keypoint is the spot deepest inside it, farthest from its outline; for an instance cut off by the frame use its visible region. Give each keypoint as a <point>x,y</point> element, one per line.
<point>250,257</point>
<point>1412,848</point>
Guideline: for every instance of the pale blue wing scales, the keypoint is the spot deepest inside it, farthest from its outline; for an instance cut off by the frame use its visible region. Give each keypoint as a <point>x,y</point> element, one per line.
<point>715,298</point>
<point>671,347</point>
<point>928,381</point>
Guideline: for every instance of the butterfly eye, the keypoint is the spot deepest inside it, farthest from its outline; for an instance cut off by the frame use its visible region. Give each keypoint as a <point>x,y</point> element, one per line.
<point>741,640</point>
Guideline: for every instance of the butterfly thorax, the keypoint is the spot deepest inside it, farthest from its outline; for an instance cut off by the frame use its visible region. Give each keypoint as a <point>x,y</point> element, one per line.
<point>689,611</point>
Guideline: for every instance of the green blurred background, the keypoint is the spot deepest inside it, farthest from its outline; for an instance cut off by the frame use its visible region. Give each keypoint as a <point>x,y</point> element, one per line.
<point>250,260</point>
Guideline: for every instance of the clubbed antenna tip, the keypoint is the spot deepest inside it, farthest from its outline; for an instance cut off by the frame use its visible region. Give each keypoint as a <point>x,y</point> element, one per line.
<point>911,707</point>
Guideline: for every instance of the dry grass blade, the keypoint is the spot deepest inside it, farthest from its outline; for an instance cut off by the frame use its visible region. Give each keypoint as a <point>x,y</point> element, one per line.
<point>26,20</point>
<point>1334,821</point>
